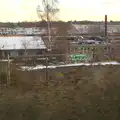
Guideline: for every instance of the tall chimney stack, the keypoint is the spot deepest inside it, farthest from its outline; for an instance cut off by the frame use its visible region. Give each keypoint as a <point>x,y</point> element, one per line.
<point>106,27</point>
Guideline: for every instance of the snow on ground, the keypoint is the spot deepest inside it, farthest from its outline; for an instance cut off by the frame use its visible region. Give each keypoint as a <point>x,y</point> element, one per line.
<point>23,68</point>
<point>6,60</point>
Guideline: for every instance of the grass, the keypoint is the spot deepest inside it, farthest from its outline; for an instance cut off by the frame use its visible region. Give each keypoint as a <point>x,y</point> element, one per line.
<point>84,93</point>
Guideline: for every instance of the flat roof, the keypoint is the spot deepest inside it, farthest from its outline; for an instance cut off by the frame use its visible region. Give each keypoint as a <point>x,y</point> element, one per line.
<point>21,42</point>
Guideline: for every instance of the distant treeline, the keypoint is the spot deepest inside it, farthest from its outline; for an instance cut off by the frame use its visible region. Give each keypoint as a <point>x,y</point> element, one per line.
<point>43,23</point>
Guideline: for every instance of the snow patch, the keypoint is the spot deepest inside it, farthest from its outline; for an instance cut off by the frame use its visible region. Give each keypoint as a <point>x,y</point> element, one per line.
<point>23,68</point>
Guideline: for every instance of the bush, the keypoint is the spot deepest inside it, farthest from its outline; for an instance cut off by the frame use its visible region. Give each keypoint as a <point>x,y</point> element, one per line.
<point>96,96</point>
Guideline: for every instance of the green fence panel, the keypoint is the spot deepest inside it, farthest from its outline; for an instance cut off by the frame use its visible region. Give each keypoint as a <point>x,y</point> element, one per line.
<point>79,57</point>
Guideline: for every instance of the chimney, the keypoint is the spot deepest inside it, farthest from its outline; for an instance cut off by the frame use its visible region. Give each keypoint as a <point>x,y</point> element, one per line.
<point>106,27</point>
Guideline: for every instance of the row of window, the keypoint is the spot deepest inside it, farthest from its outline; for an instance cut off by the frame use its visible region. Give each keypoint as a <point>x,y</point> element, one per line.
<point>89,48</point>
<point>13,33</point>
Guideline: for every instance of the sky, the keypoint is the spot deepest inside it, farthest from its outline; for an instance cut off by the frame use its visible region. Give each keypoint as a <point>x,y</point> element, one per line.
<point>25,10</point>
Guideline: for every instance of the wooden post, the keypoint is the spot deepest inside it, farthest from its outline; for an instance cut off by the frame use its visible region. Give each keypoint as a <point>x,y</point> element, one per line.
<point>46,70</point>
<point>68,52</point>
<point>8,71</point>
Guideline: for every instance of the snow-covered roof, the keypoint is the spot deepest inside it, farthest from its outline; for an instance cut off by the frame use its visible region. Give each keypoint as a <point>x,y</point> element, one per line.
<point>21,42</point>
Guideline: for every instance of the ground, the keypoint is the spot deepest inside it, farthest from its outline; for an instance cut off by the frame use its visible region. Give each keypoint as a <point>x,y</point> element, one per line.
<point>73,93</point>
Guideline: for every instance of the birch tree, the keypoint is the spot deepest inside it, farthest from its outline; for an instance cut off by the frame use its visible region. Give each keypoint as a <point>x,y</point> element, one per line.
<point>47,12</point>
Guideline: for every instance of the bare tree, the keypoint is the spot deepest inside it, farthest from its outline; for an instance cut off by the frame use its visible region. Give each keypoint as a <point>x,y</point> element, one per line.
<point>47,13</point>
<point>48,10</point>
<point>25,44</point>
<point>57,41</point>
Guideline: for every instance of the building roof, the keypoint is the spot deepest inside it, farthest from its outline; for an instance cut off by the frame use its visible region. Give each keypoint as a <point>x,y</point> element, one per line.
<point>21,42</point>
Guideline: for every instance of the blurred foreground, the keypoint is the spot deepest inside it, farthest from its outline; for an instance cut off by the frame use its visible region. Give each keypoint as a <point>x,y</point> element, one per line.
<point>73,93</point>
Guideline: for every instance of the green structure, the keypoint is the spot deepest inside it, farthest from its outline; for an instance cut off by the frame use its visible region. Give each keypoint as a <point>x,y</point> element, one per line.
<point>80,57</point>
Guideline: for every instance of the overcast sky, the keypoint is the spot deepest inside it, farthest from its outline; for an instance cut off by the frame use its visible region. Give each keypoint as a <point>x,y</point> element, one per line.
<point>25,10</point>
